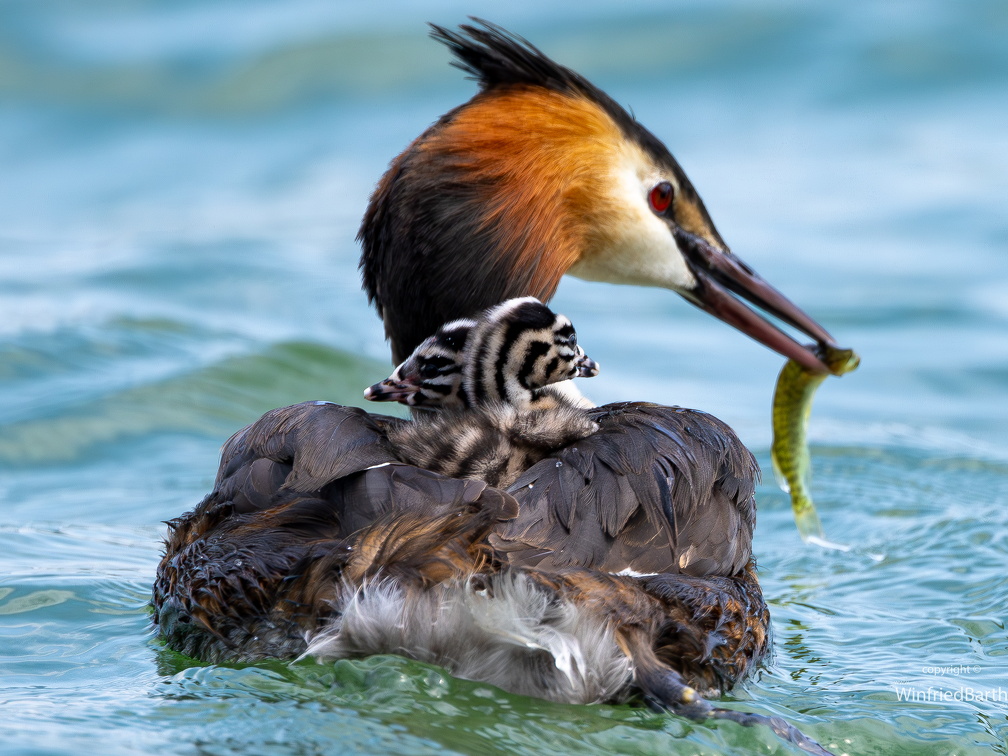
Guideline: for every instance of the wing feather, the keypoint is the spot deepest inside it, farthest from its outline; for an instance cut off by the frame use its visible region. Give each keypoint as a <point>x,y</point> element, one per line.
<point>656,489</point>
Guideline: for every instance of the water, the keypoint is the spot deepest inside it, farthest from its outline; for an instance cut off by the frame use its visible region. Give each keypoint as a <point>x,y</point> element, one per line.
<point>180,186</point>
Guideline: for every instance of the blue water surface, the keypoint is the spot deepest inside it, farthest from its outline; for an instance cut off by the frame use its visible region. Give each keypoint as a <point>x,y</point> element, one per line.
<point>180,187</point>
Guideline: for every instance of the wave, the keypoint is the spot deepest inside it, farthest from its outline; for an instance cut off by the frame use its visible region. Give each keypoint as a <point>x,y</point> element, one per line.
<point>211,401</point>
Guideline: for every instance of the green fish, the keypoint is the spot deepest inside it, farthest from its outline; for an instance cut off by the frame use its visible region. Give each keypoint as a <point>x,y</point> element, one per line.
<point>792,404</point>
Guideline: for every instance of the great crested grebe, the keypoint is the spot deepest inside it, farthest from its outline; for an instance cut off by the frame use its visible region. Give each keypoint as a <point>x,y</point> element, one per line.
<point>619,565</point>
<point>508,419</point>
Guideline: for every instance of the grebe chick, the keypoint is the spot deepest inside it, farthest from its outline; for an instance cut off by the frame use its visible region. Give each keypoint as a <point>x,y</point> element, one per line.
<point>509,420</point>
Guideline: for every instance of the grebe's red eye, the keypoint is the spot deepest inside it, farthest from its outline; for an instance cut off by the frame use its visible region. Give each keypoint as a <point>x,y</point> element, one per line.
<point>660,196</point>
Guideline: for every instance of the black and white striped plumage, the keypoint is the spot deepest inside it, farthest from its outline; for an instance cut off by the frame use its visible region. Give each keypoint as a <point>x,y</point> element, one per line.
<point>519,348</point>
<point>431,377</point>
<point>496,415</point>
<point>510,354</point>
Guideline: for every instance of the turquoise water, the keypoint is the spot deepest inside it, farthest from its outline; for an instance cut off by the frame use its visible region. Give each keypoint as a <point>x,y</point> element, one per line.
<point>180,186</point>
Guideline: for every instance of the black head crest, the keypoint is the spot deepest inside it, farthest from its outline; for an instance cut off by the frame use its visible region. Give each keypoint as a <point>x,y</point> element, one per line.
<point>495,57</point>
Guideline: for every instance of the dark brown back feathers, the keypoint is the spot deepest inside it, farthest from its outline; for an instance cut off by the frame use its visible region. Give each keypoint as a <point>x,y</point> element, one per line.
<point>655,490</point>
<point>264,549</point>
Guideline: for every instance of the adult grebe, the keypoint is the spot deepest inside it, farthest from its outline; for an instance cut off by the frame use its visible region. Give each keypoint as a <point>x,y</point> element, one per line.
<point>619,565</point>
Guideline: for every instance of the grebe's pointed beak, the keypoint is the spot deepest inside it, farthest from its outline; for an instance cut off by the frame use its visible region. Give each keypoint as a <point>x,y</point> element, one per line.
<point>719,275</point>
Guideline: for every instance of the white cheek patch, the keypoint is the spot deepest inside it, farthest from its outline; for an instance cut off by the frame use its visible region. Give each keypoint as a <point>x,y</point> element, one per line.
<point>639,247</point>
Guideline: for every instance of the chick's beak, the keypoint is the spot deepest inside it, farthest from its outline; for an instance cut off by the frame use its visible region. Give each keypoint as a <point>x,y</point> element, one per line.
<point>390,391</point>
<point>586,366</point>
<point>719,275</point>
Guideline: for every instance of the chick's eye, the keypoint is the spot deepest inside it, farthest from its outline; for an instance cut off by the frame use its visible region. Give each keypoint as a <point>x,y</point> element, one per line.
<point>660,197</point>
<point>432,367</point>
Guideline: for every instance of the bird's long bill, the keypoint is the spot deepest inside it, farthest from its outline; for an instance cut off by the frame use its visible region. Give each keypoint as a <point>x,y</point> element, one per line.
<point>719,275</point>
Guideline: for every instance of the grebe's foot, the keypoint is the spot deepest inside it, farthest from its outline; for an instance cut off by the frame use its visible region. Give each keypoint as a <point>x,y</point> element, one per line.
<point>665,690</point>
<point>786,730</point>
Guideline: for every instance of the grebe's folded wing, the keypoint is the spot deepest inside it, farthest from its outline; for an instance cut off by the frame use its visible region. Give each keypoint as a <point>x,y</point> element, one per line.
<point>655,490</point>
<point>300,448</point>
<point>340,455</point>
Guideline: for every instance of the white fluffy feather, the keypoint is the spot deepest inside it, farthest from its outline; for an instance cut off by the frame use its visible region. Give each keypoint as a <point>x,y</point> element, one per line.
<point>507,633</point>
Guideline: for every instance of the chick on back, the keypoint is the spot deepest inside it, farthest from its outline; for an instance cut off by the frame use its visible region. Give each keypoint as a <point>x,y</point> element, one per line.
<point>489,383</point>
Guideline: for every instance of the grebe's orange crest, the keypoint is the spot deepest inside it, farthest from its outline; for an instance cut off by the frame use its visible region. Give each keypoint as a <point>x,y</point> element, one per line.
<point>541,174</point>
